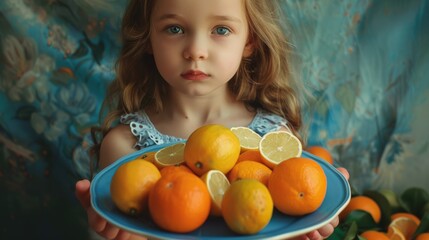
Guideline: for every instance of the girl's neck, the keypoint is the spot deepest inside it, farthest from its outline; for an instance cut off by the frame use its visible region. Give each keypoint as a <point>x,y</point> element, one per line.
<point>182,115</point>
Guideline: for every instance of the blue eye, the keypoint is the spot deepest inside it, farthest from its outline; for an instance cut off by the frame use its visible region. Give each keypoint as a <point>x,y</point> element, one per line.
<point>175,30</point>
<point>222,31</point>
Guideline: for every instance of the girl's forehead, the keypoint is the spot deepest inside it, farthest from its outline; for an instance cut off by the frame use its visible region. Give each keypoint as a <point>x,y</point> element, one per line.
<point>199,9</point>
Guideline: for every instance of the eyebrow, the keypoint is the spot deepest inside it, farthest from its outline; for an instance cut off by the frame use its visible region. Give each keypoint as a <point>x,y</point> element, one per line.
<point>215,17</point>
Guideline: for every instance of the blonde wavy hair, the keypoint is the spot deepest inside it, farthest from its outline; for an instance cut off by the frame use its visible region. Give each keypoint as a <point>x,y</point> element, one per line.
<point>263,80</point>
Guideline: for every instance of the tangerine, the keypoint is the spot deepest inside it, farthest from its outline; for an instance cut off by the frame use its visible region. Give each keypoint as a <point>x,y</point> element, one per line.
<point>321,152</point>
<point>404,225</point>
<point>179,202</point>
<point>174,168</point>
<point>211,147</point>
<point>148,156</point>
<point>250,155</point>
<point>131,184</point>
<point>374,235</point>
<point>363,203</point>
<point>407,215</point>
<point>250,169</point>
<point>423,236</point>
<point>298,186</point>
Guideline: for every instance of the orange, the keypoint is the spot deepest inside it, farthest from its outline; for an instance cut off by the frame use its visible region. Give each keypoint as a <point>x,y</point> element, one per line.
<point>149,156</point>
<point>407,215</point>
<point>279,146</point>
<point>250,169</point>
<point>249,139</point>
<point>211,147</point>
<point>174,168</point>
<point>170,155</point>
<point>363,203</point>
<point>217,184</point>
<point>406,226</point>
<point>423,236</point>
<point>179,202</point>
<point>131,184</point>
<point>298,186</point>
<point>374,235</point>
<point>250,155</point>
<point>395,234</point>
<point>321,152</point>
<point>247,206</point>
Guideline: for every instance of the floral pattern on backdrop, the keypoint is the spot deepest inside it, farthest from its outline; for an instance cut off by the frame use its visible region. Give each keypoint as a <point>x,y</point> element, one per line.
<point>366,64</point>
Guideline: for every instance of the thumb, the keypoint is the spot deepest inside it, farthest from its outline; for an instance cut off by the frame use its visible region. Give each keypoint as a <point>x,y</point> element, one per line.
<point>82,192</point>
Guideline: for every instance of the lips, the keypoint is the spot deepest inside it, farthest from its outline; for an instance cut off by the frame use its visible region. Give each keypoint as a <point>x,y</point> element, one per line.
<point>194,75</point>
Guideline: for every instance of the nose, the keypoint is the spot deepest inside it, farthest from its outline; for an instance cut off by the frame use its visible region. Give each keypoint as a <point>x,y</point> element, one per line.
<point>196,49</point>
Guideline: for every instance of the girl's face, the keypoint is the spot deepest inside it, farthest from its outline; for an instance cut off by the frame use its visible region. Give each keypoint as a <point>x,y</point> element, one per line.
<point>198,44</point>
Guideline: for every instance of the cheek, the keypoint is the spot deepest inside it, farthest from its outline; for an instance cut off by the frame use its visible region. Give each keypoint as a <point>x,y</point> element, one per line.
<point>230,62</point>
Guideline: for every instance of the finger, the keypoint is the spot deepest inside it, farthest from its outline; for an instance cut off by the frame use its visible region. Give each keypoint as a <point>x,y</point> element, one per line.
<point>123,235</point>
<point>314,235</point>
<point>344,172</point>
<point>335,222</point>
<point>96,222</point>
<point>326,230</point>
<point>82,192</point>
<point>110,231</point>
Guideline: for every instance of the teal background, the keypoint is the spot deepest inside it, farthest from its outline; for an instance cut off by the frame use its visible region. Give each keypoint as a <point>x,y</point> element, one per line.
<point>364,63</point>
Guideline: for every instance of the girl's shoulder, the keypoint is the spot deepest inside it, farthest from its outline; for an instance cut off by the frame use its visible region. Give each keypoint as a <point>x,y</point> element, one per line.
<point>144,130</point>
<point>265,122</point>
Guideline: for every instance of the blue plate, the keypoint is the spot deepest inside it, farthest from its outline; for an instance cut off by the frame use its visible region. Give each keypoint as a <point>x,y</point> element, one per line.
<point>281,226</point>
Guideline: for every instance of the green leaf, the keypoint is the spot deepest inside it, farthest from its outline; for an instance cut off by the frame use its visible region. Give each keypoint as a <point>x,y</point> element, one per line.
<point>424,225</point>
<point>345,231</point>
<point>363,220</point>
<point>352,232</point>
<point>413,200</point>
<point>383,203</point>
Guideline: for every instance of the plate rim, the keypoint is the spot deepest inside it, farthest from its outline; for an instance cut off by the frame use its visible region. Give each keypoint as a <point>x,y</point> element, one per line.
<point>146,233</point>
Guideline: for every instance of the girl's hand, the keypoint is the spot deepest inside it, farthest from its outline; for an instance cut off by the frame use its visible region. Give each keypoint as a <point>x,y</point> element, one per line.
<point>328,229</point>
<point>96,222</point>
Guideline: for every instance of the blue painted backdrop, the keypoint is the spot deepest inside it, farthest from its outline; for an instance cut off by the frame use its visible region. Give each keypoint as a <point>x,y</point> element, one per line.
<point>364,63</point>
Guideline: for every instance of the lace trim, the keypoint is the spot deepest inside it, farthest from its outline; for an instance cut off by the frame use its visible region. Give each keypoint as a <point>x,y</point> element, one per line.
<point>147,135</point>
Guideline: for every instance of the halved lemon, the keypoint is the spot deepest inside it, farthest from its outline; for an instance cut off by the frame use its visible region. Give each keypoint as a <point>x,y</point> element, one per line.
<point>217,184</point>
<point>276,147</point>
<point>249,139</point>
<point>170,155</point>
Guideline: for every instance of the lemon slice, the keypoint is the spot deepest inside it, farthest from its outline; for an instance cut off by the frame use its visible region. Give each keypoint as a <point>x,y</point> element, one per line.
<point>401,228</point>
<point>217,184</point>
<point>279,146</point>
<point>249,139</point>
<point>170,155</point>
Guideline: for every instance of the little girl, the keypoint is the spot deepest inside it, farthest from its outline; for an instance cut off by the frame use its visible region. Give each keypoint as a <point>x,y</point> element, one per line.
<point>188,63</point>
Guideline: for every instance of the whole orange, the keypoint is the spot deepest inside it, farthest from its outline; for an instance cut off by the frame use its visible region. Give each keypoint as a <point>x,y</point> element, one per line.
<point>374,235</point>
<point>179,202</point>
<point>174,168</point>
<point>131,184</point>
<point>423,236</point>
<point>148,156</point>
<point>250,169</point>
<point>298,186</point>
<point>211,147</point>
<point>363,203</point>
<point>250,155</point>
<point>321,152</point>
<point>247,206</point>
